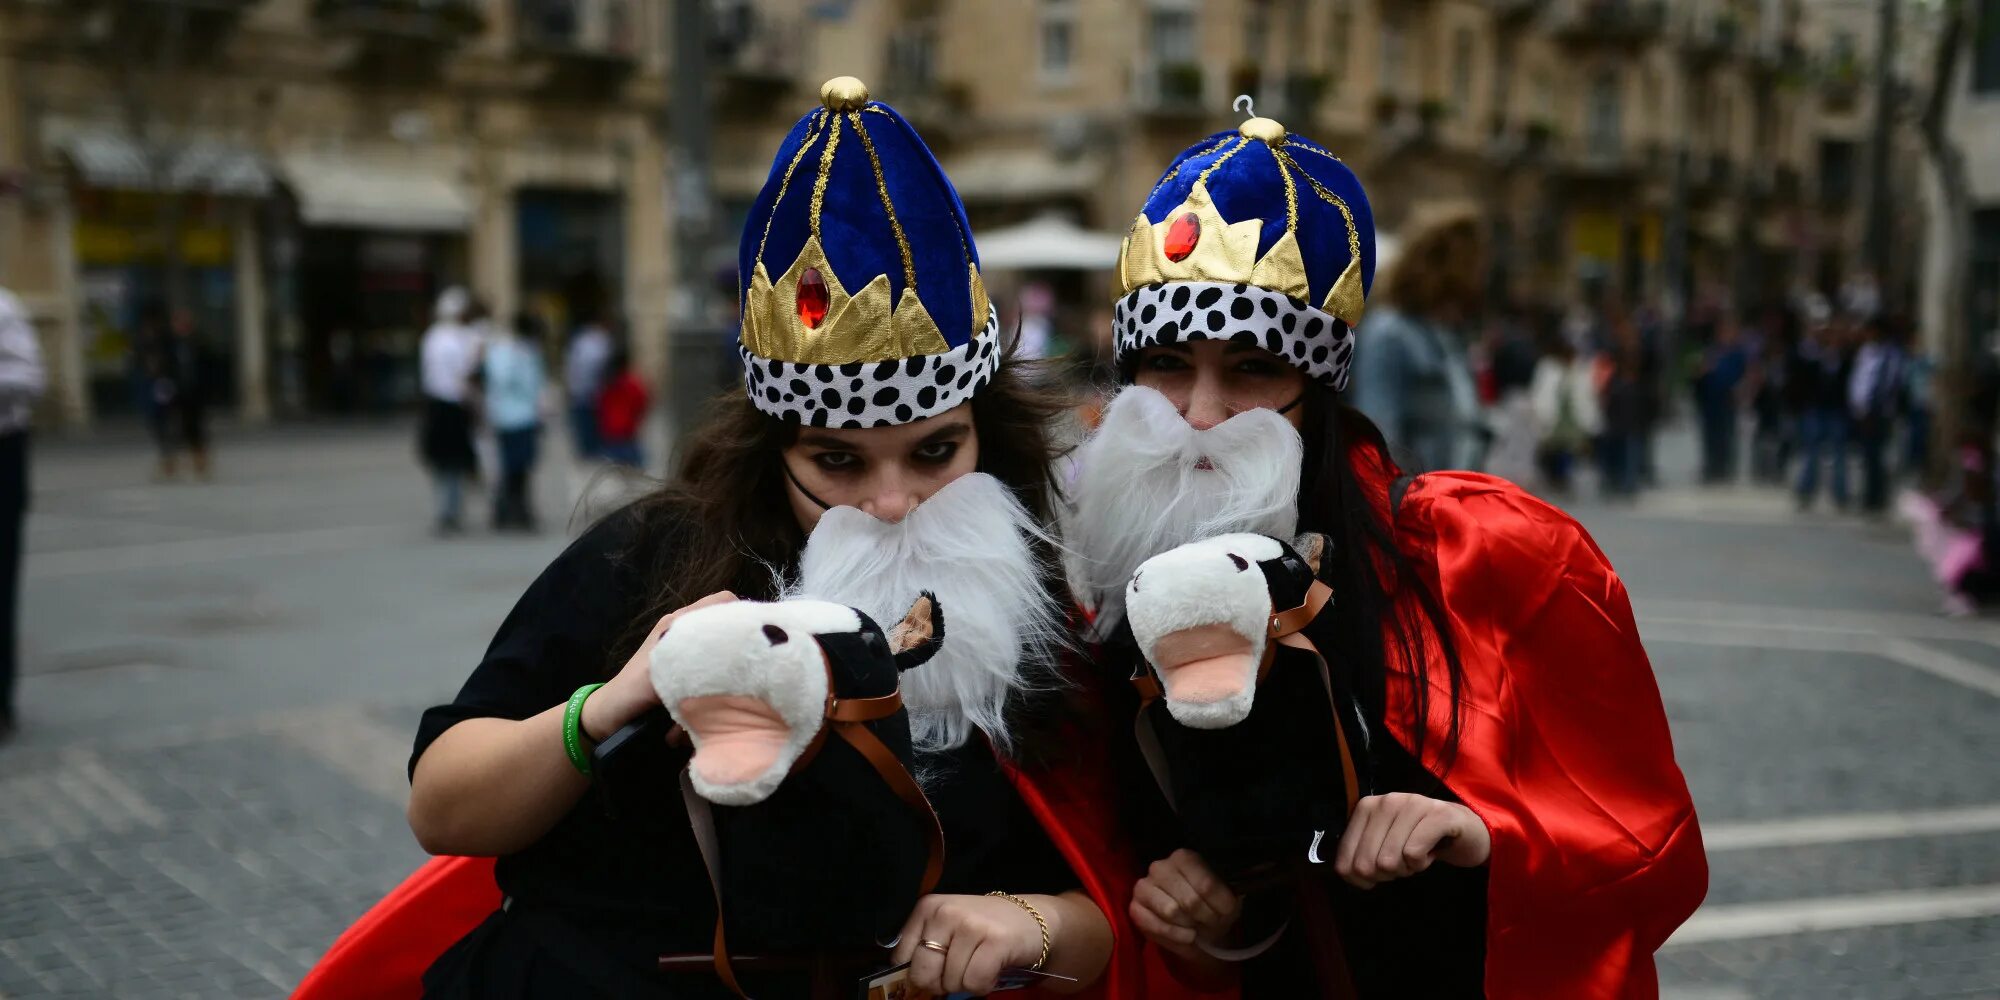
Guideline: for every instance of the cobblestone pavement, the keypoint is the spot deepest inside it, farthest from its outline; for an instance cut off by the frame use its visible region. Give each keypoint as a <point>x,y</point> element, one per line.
<point>221,682</point>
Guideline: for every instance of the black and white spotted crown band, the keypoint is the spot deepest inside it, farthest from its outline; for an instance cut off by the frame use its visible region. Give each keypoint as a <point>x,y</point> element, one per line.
<point>863,394</point>
<point>1178,312</point>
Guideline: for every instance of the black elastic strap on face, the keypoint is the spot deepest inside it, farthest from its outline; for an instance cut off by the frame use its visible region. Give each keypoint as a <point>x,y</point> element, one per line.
<point>823,505</point>
<point>1289,407</point>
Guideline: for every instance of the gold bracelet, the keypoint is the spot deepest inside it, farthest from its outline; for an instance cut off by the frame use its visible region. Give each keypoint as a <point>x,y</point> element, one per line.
<point>1039,922</point>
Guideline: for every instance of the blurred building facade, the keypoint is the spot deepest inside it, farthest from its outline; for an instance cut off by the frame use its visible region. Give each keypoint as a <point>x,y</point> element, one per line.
<point>333,162</point>
<point>306,175</point>
<point>1713,149</point>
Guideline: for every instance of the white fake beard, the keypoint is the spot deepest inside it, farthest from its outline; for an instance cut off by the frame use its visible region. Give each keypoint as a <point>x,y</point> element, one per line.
<point>971,545</point>
<point>1138,490</point>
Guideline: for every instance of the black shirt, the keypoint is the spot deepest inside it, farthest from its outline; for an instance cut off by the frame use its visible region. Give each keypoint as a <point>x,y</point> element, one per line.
<point>636,883</point>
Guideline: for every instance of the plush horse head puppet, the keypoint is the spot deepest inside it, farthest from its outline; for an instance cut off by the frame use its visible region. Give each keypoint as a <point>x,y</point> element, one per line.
<point>1242,724</point>
<point>822,839</point>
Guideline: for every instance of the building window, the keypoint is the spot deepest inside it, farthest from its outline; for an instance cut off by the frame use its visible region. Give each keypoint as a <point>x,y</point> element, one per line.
<point>1461,72</point>
<point>1392,59</point>
<point>1836,171</point>
<point>1340,34</point>
<point>1058,40</point>
<point>1173,36</point>
<point>1601,117</point>
<point>1986,48</point>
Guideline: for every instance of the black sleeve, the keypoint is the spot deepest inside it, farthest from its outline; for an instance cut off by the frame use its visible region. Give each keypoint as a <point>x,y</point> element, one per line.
<point>560,636</point>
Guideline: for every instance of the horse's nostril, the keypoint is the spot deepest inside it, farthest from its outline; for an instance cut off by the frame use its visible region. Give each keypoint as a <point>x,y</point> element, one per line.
<point>776,635</point>
<point>1241,563</point>
<point>1135,583</point>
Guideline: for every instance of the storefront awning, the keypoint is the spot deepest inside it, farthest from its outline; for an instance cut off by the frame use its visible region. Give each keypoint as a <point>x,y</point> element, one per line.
<point>1048,243</point>
<point>1020,175</point>
<point>364,194</point>
<point>108,158</point>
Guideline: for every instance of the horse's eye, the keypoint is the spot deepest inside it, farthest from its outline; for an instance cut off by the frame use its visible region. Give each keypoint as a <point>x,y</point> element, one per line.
<point>1241,564</point>
<point>776,635</point>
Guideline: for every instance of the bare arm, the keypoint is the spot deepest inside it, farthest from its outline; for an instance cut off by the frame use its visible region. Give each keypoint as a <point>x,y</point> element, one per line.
<point>488,787</point>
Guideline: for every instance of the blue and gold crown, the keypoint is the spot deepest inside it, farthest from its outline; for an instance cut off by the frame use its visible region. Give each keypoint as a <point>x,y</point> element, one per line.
<point>1252,235</point>
<point>877,314</point>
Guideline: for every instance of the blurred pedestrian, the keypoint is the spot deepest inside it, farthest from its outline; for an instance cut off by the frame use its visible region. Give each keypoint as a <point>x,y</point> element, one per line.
<point>1875,399</point>
<point>621,413</point>
<point>513,383</point>
<point>584,373</point>
<point>1511,375</point>
<point>1411,376</point>
<point>449,359</point>
<point>1821,370</point>
<point>1718,383</point>
<point>22,380</point>
<point>1564,396</point>
<point>175,366</point>
<point>1623,372</point>
<point>1772,433</point>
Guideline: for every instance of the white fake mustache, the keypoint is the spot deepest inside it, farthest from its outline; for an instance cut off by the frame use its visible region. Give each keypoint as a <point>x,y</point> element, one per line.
<point>972,544</point>
<point>1147,482</point>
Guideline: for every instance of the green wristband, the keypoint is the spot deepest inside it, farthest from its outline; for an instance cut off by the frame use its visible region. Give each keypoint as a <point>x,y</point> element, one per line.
<point>573,737</point>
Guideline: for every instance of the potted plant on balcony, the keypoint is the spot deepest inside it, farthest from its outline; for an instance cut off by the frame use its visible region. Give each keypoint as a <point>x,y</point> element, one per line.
<point>1387,106</point>
<point>1541,135</point>
<point>1303,92</point>
<point>1245,77</point>
<point>1180,84</point>
<point>1431,113</point>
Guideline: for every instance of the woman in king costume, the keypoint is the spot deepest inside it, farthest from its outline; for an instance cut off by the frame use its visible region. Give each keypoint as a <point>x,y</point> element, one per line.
<point>1523,831</point>
<point>882,446</point>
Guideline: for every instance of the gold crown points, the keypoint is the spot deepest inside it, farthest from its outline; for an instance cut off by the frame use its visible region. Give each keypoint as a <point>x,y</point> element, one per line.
<point>863,326</point>
<point>1226,253</point>
<point>843,93</point>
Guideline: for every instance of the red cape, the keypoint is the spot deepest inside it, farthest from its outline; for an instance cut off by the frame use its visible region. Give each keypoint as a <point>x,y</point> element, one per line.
<point>384,954</point>
<point>1564,750</point>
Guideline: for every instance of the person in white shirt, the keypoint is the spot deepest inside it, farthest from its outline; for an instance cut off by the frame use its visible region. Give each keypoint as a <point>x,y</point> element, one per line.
<point>22,380</point>
<point>584,372</point>
<point>450,355</point>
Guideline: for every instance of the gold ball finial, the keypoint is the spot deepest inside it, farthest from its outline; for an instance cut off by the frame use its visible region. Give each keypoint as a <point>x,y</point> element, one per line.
<point>843,93</point>
<point>1262,128</point>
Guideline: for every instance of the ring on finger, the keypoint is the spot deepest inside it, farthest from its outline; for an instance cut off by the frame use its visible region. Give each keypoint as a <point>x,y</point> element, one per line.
<point>936,946</point>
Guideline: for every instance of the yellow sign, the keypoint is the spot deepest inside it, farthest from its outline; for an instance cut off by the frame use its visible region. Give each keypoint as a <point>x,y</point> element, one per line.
<point>102,243</point>
<point>1601,236</point>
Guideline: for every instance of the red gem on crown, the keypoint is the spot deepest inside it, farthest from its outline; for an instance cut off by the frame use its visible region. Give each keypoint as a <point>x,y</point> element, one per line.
<point>1182,236</point>
<point>813,298</point>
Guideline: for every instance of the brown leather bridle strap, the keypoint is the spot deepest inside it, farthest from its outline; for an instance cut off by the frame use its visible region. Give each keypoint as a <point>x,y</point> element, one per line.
<point>702,821</point>
<point>898,778</point>
<point>863,709</point>
<point>1285,623</point>
<point>1285,629</point>
<point>848,718</point>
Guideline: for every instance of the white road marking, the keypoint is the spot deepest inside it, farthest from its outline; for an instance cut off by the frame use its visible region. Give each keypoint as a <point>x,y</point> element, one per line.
<point>1939,663</point>
<point>1831,913</point>
<point>1816,632</point>
<point>1848,828</point>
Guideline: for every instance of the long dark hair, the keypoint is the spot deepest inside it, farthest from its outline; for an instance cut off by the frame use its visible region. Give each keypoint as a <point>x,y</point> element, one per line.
<point>723,522</point>
<point>1368,572</point>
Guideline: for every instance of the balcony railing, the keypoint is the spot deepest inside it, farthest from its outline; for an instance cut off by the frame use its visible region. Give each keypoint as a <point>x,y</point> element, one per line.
<point>415,20</point>
<point>757,54</point>
<point>1169,90</point>
<point>1614,22</point>
<point>590,28</point>
<point>1513,13</point>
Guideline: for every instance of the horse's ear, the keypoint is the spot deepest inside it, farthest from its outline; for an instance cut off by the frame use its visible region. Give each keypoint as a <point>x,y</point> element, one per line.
<point>1313,547</point>
<point>920,634</point>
